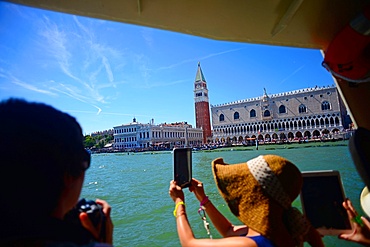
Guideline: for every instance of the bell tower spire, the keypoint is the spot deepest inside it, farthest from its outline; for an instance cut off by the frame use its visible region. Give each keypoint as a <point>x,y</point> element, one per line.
<point>202,115</point>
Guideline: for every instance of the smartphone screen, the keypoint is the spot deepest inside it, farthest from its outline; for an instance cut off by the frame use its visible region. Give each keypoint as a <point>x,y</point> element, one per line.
<point>182,159</point>
<point>322,196</point>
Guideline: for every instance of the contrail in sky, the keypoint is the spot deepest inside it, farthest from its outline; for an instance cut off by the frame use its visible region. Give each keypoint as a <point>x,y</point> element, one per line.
<point>295,72</point>
<point>197,59</point>
<point>79,99</point>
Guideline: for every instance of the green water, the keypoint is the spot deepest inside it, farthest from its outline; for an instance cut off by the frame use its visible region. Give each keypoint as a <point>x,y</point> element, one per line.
<point>136,186</point>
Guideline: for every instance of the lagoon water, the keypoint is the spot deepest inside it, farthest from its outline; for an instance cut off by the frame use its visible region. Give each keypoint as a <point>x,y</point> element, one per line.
<point>136,186</point>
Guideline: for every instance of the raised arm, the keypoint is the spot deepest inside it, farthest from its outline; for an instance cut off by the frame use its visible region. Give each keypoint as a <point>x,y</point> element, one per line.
<point>222,224</point>
<point>314,238</point>
<point>185,232</point>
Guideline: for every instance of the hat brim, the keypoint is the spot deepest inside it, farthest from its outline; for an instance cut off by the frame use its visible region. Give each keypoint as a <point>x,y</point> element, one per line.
<point>249,202</point>
<point>365,200</point>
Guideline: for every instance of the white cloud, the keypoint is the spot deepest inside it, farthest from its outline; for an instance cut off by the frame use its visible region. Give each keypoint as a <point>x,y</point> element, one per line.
<point>147,36</point>
<point>80,58</point>
<point>30,87</point>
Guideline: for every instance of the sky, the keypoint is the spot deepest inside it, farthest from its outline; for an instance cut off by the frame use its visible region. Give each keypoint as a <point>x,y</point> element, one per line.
<point>107,73</point>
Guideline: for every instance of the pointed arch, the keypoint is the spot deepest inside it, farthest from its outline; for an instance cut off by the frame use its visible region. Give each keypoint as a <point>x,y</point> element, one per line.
<point>236,115</point>
<point>267,138</point>
<point>282,136</point>
<point>282,109</point>
<point>302,108</point>
<point>290,135</point>
<point>252,113</point>
<point>266,113</point>
<point>316,134</point>
<point>325,106</point>
<point>274,136</point>
<point>307,134</point>
<point>336,120</point>
<point>326,121</point>
<point>325,131</point>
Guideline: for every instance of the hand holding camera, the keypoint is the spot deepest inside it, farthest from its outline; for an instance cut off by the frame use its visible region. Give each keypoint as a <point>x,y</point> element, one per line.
<point>95,214</point>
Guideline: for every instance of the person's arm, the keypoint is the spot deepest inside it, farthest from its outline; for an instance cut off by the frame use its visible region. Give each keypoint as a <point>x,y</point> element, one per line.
<point>314,238</point>
<point>361,226</point>
<point>185,232</point>
<point>222,224</point>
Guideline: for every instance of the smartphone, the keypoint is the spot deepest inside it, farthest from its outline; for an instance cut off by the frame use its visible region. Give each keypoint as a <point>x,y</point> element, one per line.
<point>322,196</point>
<point>182,161</point>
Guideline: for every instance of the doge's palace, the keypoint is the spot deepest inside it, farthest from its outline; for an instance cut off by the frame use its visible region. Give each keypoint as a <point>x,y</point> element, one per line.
<point>301,114</point>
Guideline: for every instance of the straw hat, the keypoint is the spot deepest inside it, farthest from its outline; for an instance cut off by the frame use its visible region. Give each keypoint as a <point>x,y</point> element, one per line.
<point>260,192</point>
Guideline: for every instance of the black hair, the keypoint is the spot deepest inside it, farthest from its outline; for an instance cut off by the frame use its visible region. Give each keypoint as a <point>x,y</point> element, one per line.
<point>38,146</point>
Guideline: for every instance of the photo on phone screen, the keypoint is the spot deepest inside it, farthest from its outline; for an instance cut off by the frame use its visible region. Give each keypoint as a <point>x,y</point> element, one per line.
<point>182,159</point>
<point>322,196</point>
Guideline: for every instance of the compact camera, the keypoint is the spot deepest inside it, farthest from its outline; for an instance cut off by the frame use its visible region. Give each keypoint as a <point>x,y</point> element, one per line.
<point>93,210</point>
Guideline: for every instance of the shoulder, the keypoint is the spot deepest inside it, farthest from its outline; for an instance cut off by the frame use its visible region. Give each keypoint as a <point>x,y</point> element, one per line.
<point>262,241</point>
<point>234,241</point>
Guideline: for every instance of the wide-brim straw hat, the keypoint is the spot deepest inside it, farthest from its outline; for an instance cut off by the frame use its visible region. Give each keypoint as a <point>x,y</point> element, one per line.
<point>260,205</point>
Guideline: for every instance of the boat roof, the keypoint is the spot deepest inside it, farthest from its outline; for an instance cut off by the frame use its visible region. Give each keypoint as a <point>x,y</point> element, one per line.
<point>294,23</point>
<point>297,23</point>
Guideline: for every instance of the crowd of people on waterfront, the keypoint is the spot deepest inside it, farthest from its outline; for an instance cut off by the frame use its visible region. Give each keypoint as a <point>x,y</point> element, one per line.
<point>44,179</point>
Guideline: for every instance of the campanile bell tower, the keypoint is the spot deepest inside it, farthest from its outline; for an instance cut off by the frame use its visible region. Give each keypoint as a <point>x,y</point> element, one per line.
<point>202,116</point>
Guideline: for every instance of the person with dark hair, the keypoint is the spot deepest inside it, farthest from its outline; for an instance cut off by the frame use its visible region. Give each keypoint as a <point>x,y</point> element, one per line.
<point>42,169</point>
<point>260,193</point>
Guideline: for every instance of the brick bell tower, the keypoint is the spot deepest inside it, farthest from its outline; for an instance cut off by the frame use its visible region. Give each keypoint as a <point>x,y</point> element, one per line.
<point>202,116</point>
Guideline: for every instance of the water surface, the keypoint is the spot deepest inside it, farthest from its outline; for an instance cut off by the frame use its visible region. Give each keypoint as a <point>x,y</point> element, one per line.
<point>136,186</point>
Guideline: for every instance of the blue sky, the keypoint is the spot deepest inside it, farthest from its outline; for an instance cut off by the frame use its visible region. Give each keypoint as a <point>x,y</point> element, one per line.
<point>106,73</point>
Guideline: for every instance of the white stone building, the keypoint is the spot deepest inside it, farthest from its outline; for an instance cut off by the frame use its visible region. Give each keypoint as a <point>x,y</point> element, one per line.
<point>139,136</point>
